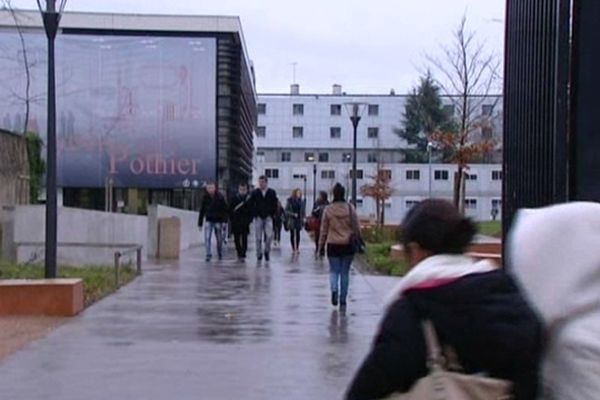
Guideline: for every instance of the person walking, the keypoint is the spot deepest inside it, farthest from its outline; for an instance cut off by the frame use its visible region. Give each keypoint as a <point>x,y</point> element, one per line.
<point>317,214</point>
<point>278,224</point>
<point>263,203</point>
<point>553,252</point>
<point>241,218</point>
<point>338,227</point>
<point>294,212</point>
<point>214,210</point>
<point>481,318</point>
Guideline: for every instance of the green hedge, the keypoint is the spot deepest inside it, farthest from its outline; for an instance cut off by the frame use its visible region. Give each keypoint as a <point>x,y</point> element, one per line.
<point>378,258</point>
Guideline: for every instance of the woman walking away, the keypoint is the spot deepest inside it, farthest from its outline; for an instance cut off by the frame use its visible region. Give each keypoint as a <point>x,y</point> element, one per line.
<point>317,213</point>
<point>337,230</point>
<point>481,319</point>
<point>278,224</point>
<point>554,253</point>
<point>294,211</point>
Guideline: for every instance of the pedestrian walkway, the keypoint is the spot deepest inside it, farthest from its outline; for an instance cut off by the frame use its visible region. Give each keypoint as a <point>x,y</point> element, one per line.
<point>192,330</point>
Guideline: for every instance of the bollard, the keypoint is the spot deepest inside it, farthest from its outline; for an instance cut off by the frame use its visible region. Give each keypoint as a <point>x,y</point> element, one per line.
<point>139,260</point>
<point>117,259</point>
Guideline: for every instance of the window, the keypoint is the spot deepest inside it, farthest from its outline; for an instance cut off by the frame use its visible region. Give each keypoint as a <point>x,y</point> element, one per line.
<point>359,174</point>
<point>260,156</point>
<point>410,204</point>
<point>413,175</point>
<point>261,131</point>
<point>487,109</point>
<point>297,132</point>
<point>471,177</point>
<point>449,110</point>
<point>372,157</point>
<point>327,174</point>
<point>335,109</point>
<point>323,157</point>
<point>496,175</point>
<point>373,109</point>
<point>347,157</point>
<point>299,176</point>
<point>309,156</point>
<point>359,203</point>
<point>262,108</point>
<point>471,204</point>
<point>298,109</point>
<point>385,173</point>
<point>388,205</point>
<point>497,204</point>
<point>286,156</point>
<point>335,132</point>
<point>272,173</point>
<point>372,133</point>
<point>487,132</point>
<point>440,175</point>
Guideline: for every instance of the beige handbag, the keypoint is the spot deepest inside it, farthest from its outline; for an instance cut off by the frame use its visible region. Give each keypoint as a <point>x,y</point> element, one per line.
<point>441,384</point>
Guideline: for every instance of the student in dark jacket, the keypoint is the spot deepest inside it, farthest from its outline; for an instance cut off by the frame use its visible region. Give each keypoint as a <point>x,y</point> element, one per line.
<point>214,210</point>
<point>263,202</point>
<point>278,220</point>
<point>317,213</point>
<point>294,216</point>
<point>241,218</point>
<point>476,309</point>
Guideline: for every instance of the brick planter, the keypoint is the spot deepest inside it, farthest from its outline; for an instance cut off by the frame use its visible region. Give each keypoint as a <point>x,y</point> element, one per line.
<point>53,297</point>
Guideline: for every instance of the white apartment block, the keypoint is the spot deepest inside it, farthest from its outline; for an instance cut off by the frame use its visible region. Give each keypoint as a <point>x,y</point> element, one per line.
<point>305,141</point>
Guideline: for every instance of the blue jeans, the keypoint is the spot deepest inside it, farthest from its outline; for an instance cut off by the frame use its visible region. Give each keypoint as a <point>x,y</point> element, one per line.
<point>339,275</point>
<point>211,227</point>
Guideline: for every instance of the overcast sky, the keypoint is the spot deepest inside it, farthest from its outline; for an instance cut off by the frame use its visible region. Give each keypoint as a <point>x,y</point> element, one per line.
<point>367,46</point>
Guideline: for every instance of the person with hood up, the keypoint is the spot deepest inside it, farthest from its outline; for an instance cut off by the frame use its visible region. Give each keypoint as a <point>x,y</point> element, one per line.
<point>554,253</point>
<point>476,309</point>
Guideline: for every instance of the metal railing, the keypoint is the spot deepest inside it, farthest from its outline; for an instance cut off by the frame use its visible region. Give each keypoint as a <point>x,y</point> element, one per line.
<point>118,254</point>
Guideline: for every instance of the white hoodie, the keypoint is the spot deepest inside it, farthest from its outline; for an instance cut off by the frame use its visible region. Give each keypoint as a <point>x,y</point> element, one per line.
<point>555,254</point>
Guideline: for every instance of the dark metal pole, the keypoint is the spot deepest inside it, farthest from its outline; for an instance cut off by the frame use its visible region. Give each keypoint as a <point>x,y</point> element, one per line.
<point>355,120</point>
<point>314,183</point>
<point>51,18</point>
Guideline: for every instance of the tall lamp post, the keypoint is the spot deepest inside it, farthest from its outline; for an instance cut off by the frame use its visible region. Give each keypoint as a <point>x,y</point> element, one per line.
<point>51,17</point>
<point>314,183</point>
<point>429,150</point>
<point>355,111</point>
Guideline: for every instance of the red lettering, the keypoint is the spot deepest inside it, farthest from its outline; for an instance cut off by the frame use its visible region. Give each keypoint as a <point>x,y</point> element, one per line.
<point>116,156</point>
<point>183,167</point>
<point>139,169</point>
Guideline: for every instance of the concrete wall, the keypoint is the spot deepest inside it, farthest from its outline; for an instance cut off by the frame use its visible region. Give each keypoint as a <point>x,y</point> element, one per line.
<point>190,235</point>
<point>24,230</point>
<point>14,169</point>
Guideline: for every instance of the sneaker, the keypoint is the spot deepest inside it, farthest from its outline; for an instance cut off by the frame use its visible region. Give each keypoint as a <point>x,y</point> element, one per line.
<point>220,257</point>
<point>259,257</point>
<point>208,258</point>
<point>343,303</point>
<point>334,299</point>
<point>266,256</point>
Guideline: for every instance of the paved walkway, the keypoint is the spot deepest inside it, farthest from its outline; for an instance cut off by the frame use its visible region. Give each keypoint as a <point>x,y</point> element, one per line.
<point>219,331</point>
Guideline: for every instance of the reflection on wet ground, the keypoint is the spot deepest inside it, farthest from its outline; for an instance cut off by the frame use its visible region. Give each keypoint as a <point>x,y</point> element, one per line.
<point>194,330</point>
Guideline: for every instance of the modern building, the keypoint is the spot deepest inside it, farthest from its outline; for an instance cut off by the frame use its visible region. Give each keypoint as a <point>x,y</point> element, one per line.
<point>149,107</point>
<point>305,141</point>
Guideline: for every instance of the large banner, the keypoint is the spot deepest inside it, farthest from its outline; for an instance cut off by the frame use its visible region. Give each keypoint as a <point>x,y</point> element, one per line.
<point>137,110</point>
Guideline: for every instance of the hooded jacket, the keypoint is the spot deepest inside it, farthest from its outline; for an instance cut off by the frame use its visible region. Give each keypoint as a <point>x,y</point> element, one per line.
<point>554,253</point>
<point>476,309</point>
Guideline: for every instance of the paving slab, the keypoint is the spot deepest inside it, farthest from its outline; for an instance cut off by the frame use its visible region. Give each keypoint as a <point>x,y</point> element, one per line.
<point>197,330</point>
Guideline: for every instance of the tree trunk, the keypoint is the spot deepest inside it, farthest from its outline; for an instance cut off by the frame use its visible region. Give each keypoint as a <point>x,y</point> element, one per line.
<point>458,183</point>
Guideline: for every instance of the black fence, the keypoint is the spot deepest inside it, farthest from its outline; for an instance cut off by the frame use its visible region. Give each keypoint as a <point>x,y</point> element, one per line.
<point>551,104</point>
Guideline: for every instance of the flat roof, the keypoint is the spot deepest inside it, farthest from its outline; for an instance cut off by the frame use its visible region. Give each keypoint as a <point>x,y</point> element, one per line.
<point>31,19</point>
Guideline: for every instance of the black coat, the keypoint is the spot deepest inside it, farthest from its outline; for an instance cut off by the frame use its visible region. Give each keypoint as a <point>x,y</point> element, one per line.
<point>482,316</point>
<point>214,208</point>
<point>242,217</point>
<point>263,206</point>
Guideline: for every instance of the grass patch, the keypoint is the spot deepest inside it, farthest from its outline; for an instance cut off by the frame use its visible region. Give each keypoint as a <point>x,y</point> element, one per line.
<point>490,228</point>
<point>378,258</point>
<point>98,282</point>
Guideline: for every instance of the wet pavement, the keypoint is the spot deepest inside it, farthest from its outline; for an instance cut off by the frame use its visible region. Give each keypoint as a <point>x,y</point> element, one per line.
<point>196,330</point>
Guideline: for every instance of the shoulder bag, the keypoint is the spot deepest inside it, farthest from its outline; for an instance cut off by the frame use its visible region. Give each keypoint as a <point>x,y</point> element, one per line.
<point>358,245</point>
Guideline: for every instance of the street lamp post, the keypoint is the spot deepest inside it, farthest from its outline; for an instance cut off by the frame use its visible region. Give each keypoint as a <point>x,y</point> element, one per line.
<point>354,110</point>
<point>429,150</point>
<point>314,183</point>
<point>51,19</point>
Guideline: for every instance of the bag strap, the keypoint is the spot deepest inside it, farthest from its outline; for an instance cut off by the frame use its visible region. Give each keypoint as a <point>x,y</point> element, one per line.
<point>435,357</point>
<point>353,221</point>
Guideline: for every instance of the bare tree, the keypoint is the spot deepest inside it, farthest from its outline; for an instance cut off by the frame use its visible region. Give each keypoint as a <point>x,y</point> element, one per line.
<point>468,75</point>
<point>6,4</point>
